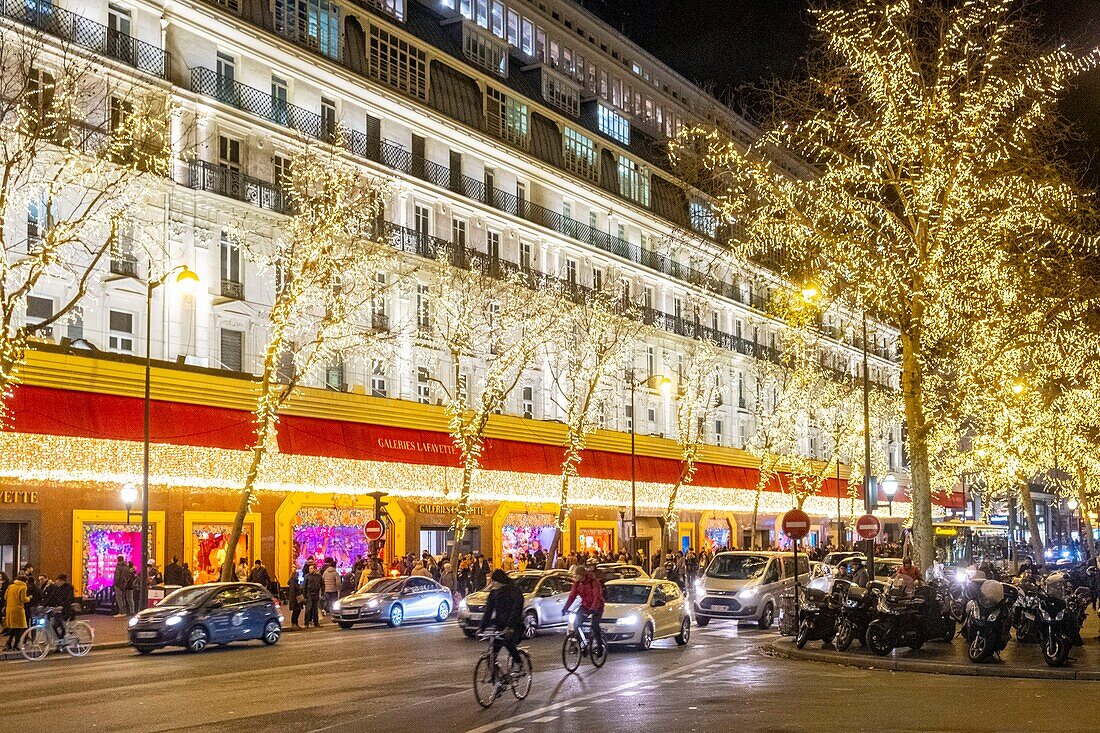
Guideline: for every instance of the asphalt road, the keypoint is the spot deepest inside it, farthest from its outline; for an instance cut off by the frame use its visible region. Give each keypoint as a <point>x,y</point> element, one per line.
<point>419,678</point>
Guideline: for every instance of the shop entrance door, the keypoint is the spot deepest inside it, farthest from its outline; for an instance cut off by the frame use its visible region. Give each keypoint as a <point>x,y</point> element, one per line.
<point>13,547</point>
<point>439,540</point>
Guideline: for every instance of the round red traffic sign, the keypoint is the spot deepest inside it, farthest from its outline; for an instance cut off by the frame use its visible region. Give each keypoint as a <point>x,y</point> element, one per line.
<point>868,526</point>
<point>374,530</point>
<point>795,524</point>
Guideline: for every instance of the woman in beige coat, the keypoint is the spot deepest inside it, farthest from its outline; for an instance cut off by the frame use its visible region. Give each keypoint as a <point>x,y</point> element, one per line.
<point>15,615</point>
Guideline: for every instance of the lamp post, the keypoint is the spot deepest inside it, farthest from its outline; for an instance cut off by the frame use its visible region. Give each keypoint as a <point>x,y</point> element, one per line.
<point>665,385</point>
<point>890,487</point>
<point>129,496</point>
<point>186,278</point>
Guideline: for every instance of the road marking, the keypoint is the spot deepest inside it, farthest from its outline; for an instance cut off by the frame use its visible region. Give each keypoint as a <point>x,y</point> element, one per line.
<point>602,694</point>
<point>648,687</point>
<point>576,709</point>
<point>631,693</point>
<point>512,730</point>
<point>545,719</point>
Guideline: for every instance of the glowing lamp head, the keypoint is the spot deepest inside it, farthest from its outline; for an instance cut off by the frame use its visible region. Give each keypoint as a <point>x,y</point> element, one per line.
<point>187,280</point>
<point>129,494</point>
<point>889,486</point>
<point>1019,387</point>
<point>810,291</point>
<point>666,385</point>
<point>1072,505</point>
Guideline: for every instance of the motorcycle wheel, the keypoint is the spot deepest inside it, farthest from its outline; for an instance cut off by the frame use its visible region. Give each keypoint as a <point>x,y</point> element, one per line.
<point>980,648</point>
<point>1056,651</point>
<point>1024,632</point>
<point>878,639</point>
<point>949,630</point>
<point>804,631</point>
<point>958,611</point>
<point>845,635</point>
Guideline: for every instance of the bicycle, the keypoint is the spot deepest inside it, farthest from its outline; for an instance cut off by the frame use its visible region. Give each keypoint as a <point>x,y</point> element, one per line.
<point>40,638</point>
<point>578,645</point>
<point>491,678</point>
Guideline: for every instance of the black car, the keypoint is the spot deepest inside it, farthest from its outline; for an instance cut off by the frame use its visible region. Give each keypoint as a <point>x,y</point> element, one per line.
<point>198,615</point>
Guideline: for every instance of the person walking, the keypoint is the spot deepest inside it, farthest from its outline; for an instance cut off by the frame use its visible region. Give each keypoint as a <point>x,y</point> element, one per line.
<point>330,579</point>
<point>295,596</point>
<point>419,571</point>
<point>313,586</point>
<point>480,572</point>
<point>15,614</point>
<point>241,571</point>
<point>173,573</point>
<point>259,575</point>
<point>122,595</point>
<point>448,580</point>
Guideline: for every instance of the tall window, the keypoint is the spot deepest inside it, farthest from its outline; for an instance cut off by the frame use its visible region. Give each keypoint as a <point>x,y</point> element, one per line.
<point>423,310</point>
<point>528,402</point>
<point>633,181</point>
<point>229,153</point>
<point>718,432</point>
<point>507,117</point>
<point>328,119</point>
<point>119,41</point>
<point>378,379</point>
<point>396,62</point>
<point>120,337</point>
<point>525,259</point>
<point>613,124</point>
<point>40,309</point>
<point>123,261</point>
<point>580,154</point>
<point>703,219</point>
<point>281,169</point>
<point>561,92</point>
<point>423,386</point>
<point>227,74</point>
<point>230,260</point>
<point>37,223</point>
<point>492,245</point>
<point>314,23</point>
<point>485,51</point>
<point>458,232</point>
<point>571,271</point>
<point>232,349</point>
<point>422,221</point>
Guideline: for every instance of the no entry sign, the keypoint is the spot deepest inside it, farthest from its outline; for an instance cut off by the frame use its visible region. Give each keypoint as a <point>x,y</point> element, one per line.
<point>868,526</point>
<point>374,530</point>
<point>795,524</point>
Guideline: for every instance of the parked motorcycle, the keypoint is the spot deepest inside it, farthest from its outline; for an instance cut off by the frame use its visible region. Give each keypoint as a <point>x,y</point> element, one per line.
<point>988,624</point>
<point>857,610</point>
<point>818,610</point>
<point>909,621</point>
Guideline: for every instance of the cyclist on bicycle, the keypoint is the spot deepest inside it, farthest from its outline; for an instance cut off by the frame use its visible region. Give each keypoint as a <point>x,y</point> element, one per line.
<point>506,605</point>
<point>589,588</point>
<point>58,598</point>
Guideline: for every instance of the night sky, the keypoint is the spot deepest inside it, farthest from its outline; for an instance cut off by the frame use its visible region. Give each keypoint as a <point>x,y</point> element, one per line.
<point>724,45</point>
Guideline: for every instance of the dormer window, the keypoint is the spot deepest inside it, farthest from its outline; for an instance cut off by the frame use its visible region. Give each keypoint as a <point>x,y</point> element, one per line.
<point>561,92</point>
<point>613,124</point>
<point>484,50</point>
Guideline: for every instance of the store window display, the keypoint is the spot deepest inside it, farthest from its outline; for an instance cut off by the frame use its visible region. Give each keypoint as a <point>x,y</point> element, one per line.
<point>208,544</point>
<point>323,532</point>
<point>523,532</point>
<point>102,545</point>
<point>596,540</point>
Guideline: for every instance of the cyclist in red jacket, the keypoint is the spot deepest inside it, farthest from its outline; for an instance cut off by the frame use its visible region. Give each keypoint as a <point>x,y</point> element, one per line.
<point>589,587</point>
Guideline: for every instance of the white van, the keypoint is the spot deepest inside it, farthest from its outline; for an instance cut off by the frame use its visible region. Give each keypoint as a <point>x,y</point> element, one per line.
<point>746,585</point>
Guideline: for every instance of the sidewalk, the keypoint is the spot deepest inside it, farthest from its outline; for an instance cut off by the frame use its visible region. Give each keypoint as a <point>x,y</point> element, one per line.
<point>113,633</point>
<point>1017,660</point>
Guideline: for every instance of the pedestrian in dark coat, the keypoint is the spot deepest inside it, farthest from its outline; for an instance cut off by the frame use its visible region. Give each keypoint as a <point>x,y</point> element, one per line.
<point>313,584</point>
<point>259,575</point>
<point>295,596</point>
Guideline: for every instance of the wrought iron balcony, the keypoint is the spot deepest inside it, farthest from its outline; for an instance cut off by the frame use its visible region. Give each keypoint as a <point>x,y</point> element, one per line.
<point>232,289</point>
<point>236,185</point>
<point>124,264</point>
<point>96,37</point>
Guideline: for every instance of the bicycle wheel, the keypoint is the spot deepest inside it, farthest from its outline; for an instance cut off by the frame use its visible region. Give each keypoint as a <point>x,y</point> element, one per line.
<point>485,684</point>
<point>521,680</point>
<point>35,643</point>
<point>598,654</point>
<point>571,652</point>
<point>79,639</point>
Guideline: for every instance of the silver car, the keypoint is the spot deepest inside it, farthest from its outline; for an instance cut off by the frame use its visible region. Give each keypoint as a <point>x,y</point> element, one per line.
<point>394,601</point>
<point>544,594</point>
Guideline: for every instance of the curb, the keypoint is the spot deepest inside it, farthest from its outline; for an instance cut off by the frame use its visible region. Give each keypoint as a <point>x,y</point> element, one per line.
<point>929,667</point>
<point>7,656</point>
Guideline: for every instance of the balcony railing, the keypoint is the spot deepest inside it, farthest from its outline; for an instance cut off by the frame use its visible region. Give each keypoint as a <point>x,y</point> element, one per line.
<point>232,289</point>
<point>96,37</point>
<point>205,176</point>
<point>124,265</point>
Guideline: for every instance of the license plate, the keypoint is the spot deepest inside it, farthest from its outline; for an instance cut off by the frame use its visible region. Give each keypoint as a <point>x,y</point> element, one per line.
<point>716,607</point>
<point>147,635</point>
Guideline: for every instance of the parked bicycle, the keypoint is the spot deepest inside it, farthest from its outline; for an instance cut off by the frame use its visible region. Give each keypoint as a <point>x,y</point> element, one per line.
<point>492,677</point>
<point>40,638</point>
<point>578,645</point>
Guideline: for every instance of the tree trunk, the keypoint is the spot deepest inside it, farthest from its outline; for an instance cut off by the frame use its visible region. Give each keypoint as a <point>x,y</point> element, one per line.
<point>1085,508</point>
<point>230,564</point>
<point>920,477</point>
<point>462,520</point>
<point>563,517</point>
<point>1032,521</point>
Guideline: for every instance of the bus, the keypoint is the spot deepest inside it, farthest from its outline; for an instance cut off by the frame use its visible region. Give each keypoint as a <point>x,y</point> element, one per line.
<point>963,543</point>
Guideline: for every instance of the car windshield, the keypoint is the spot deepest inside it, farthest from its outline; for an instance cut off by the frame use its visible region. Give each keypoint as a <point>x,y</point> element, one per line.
<point>737,567</point>
<point>526,583</point>
<point>886,569</point>
<point>185,596</point>
<point>835,558</point>
<point>630,594</point>
<point>383,585</point>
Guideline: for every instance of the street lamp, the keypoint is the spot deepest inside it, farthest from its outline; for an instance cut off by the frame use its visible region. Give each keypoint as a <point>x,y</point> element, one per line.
<point>665,385</point>
<point>188,281</point>
<point>129,496</point>
<point>890,487</point>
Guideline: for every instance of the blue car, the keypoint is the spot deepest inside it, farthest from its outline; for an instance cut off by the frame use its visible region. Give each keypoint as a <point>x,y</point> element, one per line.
<point>199,615</point>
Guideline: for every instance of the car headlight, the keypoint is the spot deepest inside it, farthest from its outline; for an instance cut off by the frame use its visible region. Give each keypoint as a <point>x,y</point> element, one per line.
<point>336,605</point>
<point>174,620</point>
<point>373,603</point>
<point>631,620</point>
<point>463,606</point>
<point>701,587</point>
<point>961,576</point>
<point>133,621</point>
<point>747,595</point>
<point>1061,615</point>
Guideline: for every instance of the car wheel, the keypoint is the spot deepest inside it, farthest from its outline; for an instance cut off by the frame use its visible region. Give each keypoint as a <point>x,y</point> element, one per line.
<point>272,632</point>
<point>144,648</point>
<point>647,638</point>
<point>701,620</point>
<point>685,632</point>
<point>530,625</point>
<point>397,615</point>
<point>345,624</point>
<point>443,612</point>
<point>767,618</point>
<point>197,639</point>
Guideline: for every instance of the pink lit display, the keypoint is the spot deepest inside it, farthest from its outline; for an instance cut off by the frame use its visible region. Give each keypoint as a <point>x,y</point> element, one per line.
<point>335,533</point>
<point>103,543</point>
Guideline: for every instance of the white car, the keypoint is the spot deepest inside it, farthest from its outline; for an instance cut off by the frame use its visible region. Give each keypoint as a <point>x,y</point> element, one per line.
<point>745,586</point>
<point>544,595</point>
<point>641,610</point>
